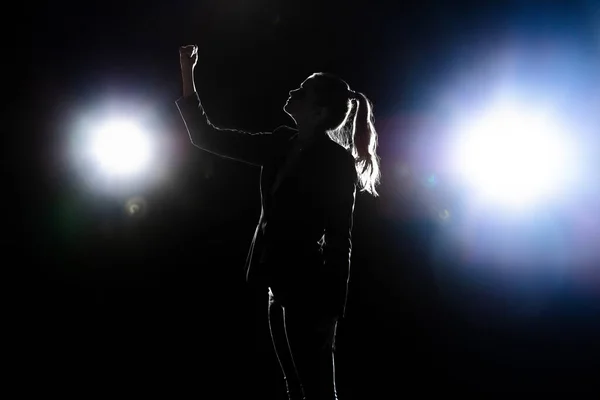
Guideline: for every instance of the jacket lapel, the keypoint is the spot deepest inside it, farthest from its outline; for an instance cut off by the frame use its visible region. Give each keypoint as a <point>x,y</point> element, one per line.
<point>286,169</point>
<point>293,159</point>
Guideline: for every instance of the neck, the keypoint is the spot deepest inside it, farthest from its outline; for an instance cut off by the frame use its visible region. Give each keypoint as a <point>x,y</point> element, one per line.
<point>306,133</point>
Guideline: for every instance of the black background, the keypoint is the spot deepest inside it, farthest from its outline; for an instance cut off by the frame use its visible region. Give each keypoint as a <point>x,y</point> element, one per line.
<point>158,304</point>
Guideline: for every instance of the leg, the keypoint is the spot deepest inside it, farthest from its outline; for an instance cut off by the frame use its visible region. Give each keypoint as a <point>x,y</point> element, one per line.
<point>282,349</point>
<point>312,341</point>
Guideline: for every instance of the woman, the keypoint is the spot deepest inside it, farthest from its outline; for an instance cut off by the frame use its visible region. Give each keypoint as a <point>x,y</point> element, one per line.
<point>302,245</point>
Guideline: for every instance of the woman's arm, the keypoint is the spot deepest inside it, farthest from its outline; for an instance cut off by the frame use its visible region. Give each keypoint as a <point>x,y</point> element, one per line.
<point>340,192</point>
<point>251,148</point>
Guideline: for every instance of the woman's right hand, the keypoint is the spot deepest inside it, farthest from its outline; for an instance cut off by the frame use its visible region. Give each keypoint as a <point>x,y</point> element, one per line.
<point>188,56</point>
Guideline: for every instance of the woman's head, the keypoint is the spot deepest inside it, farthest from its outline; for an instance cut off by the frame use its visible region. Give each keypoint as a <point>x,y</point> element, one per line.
<point>326,103</point>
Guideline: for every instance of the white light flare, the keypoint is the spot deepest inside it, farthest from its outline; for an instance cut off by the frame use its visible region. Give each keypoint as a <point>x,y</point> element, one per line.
<point>121,148</point>
<point>515,157</point>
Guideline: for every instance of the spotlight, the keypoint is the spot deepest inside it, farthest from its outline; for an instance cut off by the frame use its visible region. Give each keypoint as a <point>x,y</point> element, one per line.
<point>120,148</point>
<point>513,156</point>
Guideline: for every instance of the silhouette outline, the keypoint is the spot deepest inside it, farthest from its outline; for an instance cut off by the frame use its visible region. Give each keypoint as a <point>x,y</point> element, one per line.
<point>302,244</point>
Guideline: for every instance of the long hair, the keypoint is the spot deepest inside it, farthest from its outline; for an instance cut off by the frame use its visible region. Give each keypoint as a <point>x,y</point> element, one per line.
<point>350,123</point>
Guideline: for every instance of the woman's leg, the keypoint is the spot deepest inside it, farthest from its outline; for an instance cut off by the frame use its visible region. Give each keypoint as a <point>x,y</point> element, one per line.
<point>312,341</point>
<point>277,326</point>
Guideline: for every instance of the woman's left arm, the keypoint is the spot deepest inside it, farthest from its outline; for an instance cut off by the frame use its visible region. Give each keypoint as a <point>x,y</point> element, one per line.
<point>340,189</point>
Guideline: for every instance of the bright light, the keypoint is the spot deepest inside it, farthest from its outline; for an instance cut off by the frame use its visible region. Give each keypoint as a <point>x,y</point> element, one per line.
<point>120,148</point>
<point>514,156</point>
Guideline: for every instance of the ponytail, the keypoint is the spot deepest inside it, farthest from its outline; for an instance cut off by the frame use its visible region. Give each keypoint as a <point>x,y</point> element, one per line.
<point>364,146</point>
<point>350,124</point>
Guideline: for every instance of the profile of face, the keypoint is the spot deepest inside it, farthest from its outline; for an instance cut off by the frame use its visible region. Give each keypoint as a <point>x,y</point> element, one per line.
<point>302,104</point>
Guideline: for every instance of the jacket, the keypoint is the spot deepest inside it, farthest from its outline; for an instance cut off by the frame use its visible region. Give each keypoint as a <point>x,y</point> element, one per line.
<point>302,244</point>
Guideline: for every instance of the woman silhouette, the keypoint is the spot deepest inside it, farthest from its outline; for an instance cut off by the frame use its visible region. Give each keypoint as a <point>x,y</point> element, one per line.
<point>302,245</point>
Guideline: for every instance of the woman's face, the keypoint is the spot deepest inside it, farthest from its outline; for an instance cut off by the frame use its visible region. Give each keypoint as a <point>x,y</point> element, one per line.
<point>301,103</point>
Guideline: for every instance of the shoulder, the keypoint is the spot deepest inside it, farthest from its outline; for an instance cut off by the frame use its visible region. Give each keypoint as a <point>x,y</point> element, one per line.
<point>340,160</point>
<point>339,154</point>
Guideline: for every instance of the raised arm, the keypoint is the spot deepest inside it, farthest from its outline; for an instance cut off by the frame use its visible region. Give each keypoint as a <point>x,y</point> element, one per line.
<point>251,148</point>
<point>340,193</point>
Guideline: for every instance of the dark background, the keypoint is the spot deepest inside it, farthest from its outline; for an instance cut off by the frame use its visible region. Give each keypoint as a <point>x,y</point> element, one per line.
<point>158,304</point>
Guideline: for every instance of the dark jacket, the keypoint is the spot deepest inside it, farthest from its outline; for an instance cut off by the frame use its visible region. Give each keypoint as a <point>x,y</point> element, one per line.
<point>302,244</point>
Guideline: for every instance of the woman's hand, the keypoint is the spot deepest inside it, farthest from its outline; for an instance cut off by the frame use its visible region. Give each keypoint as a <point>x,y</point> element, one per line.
<point>188,58</point>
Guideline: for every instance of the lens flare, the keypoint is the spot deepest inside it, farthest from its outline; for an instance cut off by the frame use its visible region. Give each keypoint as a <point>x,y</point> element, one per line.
<point>514,157</point>
<point>121,148</point>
